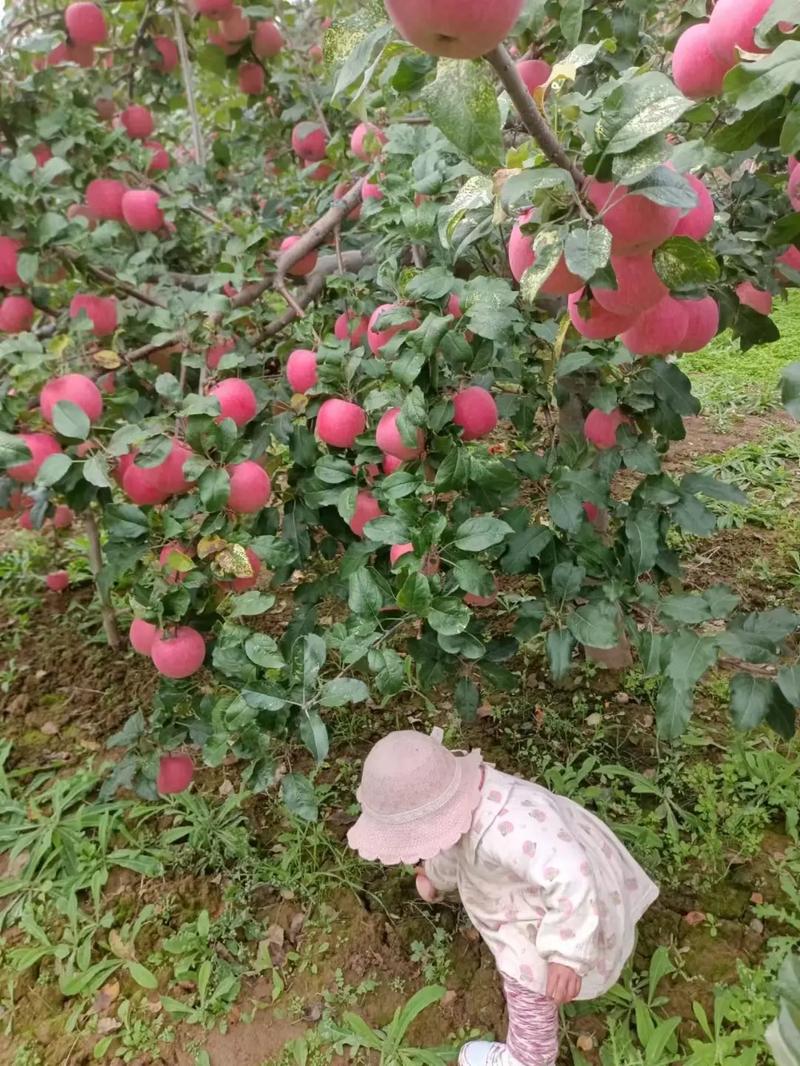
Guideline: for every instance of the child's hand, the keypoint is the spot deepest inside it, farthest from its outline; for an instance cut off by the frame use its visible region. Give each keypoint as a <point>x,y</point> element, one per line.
<point>563,984</point>
<point>425,887</point>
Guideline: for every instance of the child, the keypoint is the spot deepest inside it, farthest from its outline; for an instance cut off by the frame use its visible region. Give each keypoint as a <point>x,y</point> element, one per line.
<point>553,893</point>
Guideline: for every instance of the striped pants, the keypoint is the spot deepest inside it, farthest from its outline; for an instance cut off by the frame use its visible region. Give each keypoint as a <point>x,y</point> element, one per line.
<point>532,1025</point>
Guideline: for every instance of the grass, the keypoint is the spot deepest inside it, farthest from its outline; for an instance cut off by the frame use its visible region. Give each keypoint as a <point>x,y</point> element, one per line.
<point>727,380</point>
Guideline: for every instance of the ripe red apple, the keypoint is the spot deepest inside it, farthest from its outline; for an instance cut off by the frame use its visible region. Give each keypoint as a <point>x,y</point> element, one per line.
<point>102,310</point>
<point>339,422</point>
<point>759,299</point>
<point>429,566</point>
<point>40,445</point>
<point>143,486</point>
<point>473,600</point>
<point>216,352</point>
<point>475,411</point>
<point>16,314</point>
<point>600,427</point>
<point>338,194</point>
<point>379,338</point>
<point>141,635</point>
<point>638,286</point>
<point>235,27</point>
<point>9,251</point>
<point>793,189</point>
<point>732,26</point>
<point>138,121</point>
<point>452,28</point>
<point>302,266</point>
<point>391,464</point>
<point>321,172</point>
<point>236,400</point>
<point>534,73</point>
<point>242,584</point>
<point>591,511</point>
<point>250,487</point>
<point>251,79</point>
<point>57,581</point>
<point>790,258</point>
<point>366,141</point>
<point>175,773</point>
<point>699,222</point>
<point>42,154</point>
<point>104,198</point>
<point>521,256</point>
<point>141,211</point>
<point>301,370</point>
<point>152,485</point>
<point>213,9</point>
<point>371,191</point>
<point>315,53</point>
<point>597,324</point>
<point>178,653</point>
<point>696,69</point>
<point>636,223</point>
<point>659,330</point>
<point>389,440</point>
<point>309,141</point>
<point>367,508</point>
<point>85,23</point>
<point>105,108</point>
<point>74,388</point>
<point>227,47</point>
<point>159,157</point>
<point>702,325</point>
<point>63,517</point>
<point>267,39</point>
<point>352,327</point>
<point>168,51</point>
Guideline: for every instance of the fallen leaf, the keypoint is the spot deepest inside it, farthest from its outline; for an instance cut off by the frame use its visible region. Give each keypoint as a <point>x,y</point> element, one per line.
<point>757,898</point>
<point>49,729</point>
<point>226,787</point>
<point>694,918</point>
<point>105,997</point>
<point>108,1025</point>
<point>118,946</point>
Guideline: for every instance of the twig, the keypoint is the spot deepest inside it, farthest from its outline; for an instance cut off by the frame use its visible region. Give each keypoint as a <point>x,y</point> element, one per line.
<point>96,566</point>
<point>318,109</point>
<point>200,211</point>
<point>188,84</point>
<point>137,44</point>
<point>282,289</point>
<point>109,279</point>
<point>337,244</point>
<point>535,122</point>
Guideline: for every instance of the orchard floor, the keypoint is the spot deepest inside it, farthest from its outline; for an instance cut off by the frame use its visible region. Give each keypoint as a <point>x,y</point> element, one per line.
<point>258,936</point>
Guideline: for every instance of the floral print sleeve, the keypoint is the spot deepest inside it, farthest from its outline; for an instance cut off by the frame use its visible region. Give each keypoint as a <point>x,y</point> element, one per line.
<point>442,871</point>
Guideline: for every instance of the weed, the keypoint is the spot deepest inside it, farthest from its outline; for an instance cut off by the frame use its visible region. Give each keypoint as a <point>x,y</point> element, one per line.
<point>434,958</point>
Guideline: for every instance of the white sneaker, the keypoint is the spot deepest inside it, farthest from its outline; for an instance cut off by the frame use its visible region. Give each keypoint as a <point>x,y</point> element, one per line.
<point>485,1053</point>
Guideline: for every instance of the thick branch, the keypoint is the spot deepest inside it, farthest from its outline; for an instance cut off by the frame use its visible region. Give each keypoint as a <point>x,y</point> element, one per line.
<point>188,84</point>
<point>327,265</point>
<point>535,122</point>
<point>316,234</point>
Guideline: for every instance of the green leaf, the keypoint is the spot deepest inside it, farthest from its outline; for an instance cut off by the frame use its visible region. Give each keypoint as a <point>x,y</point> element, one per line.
<point>95,471</point>
<point>71,421</point>
<point>548,248</point>
<point>636,110</point>
<point>566,508</point>
<point>466,699</point>
<point>251,603</point>
<point>214,486</point>
<point>53,469</point>
<point>314,734</point>
<point>681,263</point>
<point>789,683</point>
<point>666,187</point>
<point>449,616</point>
<point>524,546</point>
<point>462,103</point>
<point>387,530</point>
<point>790,389</point>
<point>454,470</point>
<point>364,597</point>
<point>300,798</point>
<point>689,608</point>
<point>587,249</point>
<point>571,20</point>
<point>478,534</point>
<point>641,530</point>
<point>690,658</point>
<point>752,83</point>
<point>595,625</point>
<point>673,709</point>
<point>124,521</point>
<point>706,485</point>
<point>342,691</point>
<point>559,652</point>
<point>415,595</point>
<point>142,976</point>
<point>13,450</point>
<point>262,650</point>
<point>750,700</point>
<point>361,59</point>
<point>474,578</point>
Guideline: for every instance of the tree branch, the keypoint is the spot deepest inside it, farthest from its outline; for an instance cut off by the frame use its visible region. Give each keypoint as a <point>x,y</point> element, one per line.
<point>316,234</point>
<point>327,265</point>
<point>188,84</point>
<point>535,122</point>
<point>96,566</point>
<point>109,279</point>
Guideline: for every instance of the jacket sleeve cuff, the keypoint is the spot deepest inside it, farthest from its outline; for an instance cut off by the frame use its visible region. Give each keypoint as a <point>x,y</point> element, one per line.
<point>580,968</point>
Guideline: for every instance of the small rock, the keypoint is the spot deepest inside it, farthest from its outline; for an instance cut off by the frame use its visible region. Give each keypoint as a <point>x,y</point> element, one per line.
<point>622,697</point>
<point>449,998</point>
<point>756,926</point>
<point>585,1042</point>
<point>49,729</point>
<point>757,898</point>
<point>226,787</point>
<point>594,719</point>
<point>694,918</point>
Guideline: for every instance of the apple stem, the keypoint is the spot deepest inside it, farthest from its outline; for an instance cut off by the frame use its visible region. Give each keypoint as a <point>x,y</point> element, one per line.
<point>533,119</point>
<point>96,566</point>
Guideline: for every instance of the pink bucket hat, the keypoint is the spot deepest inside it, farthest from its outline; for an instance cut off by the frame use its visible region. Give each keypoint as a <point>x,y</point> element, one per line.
<point>417,798</point>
